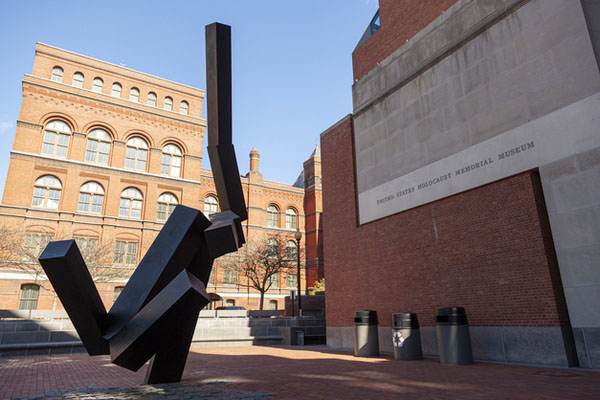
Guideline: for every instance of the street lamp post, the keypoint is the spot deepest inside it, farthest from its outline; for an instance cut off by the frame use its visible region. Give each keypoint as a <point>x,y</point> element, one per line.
<point>298,236</point>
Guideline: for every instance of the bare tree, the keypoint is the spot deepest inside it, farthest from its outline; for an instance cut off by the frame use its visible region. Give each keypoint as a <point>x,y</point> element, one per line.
<point>260,263</point>
<point>19,251</point>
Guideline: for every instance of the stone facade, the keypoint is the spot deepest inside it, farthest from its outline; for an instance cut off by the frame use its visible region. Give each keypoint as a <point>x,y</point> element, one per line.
<point>153,132</point>
<point>514,241</point>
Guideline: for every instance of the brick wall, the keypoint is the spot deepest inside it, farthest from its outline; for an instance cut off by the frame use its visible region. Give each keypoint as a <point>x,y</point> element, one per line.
<point>487,250</point>
<point>400,21</point>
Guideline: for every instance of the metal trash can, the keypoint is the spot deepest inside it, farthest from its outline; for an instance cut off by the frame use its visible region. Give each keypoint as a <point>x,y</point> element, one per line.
<point>454,341</point>
<point>406,337</point>
<point>366,337</point>
<point>299,338</point>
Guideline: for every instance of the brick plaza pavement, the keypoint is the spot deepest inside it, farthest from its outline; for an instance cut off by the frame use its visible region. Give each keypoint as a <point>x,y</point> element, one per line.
<point>301,373</point>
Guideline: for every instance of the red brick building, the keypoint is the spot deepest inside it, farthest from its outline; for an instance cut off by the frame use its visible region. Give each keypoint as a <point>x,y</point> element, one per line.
<point>463,178</point>
<point>102,154</point>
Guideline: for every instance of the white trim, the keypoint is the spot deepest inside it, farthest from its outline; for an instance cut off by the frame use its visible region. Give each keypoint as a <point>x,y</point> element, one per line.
<point>87,164</point>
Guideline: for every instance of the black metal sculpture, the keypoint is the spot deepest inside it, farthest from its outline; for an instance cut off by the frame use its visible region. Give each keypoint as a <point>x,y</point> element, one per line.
<point>155,315</point>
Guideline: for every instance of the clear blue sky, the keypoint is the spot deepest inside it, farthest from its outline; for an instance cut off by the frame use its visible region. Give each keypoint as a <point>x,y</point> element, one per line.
<point>292,65</point>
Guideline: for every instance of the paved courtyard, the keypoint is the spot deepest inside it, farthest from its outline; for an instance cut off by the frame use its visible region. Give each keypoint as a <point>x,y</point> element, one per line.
<point>291,373</point>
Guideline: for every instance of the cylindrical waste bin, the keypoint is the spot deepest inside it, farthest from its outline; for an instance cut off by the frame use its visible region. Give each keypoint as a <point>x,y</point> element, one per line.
<point>366,337</point>
<point>454,341</point>
<point>406,337</point>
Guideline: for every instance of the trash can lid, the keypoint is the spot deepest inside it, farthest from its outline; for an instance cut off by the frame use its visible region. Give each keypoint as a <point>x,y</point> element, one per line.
<point>451,311</point>
<point>451,316</point>
<point>365,317</point>
<point>405,320</point>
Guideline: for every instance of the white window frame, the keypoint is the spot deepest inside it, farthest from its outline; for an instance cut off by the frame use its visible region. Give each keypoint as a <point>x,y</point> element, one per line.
<point>91,198</point>
<point>98,147</point>
<point>46,192</point>
<point>131,203</point>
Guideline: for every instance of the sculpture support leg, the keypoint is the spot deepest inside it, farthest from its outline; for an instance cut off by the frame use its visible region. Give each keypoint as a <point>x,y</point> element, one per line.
<point>75,288</point>
<point>168,364</point>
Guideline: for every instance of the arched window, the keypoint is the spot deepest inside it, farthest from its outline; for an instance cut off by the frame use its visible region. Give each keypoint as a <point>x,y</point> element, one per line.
<point>272,216</point>
<point>290,280</point>
<point>134,94</point>
<point>152,99</point>
<point>116,90</point>
<point>46,192</point>
<point>272,304</point>
<point>78,79</point>
<point>91,197</point>
<point>56,139</point>
<point>97,85</point>
<point>131,203</point>
<point>230,302</point>
<point>29,297</point>
<point>290,250</point>
<point>136,154</point>
<point>166,205</point>
<point>98,147</point>
<point>125,252</point>
<point>274,280</point>
<point>57,74</point>
<point>210,205</point>
<point>184,107</point>
<point>272,247</point>
<point>168,104</point>
<point>118,290</point>
<point>171,161</point>
<point>34,244</point>
<point>290,218</point>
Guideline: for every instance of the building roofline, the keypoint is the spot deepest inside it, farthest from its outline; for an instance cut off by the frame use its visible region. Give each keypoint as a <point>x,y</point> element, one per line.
<point>118,66</point>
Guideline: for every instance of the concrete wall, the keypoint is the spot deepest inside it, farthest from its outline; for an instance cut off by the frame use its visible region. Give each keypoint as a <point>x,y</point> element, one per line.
<point>572,191</point>
<point>446,90</point>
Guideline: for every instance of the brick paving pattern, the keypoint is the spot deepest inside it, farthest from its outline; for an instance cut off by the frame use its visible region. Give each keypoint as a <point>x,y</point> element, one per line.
<point>297,373</point>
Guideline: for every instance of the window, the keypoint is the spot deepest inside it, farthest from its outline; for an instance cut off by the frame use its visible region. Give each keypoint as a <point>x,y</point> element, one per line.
<point>290,250</point>
<point>184,108</point>
<point>290,280</point>
<point>136,154</point>
<point>91,197</point>
<point>210,205</point>
<point>134,94</point>
<point>118,290</point>
<point>230,302</point>
<point>171,161</point>
<point>34,244</point>
<point>272,247</point>
<point>131,203</point>
<point>272,216</point>
<point>29,297</point>
<point>272,304</point>
<point>274,280</point>
<point>86,243</point>
<point>290,218</point>
<point>98,147</point>
<point>152,99</point>
<point>56,139</point>
<point>125,252</point>
<point>57,74</point>
<point>166,205</point>
<point>116,90</point>
<point>211,278</point>
<point>168,104</point>
<point>78,79</point>
<point>97,85</point>
<point>229,277</point>
<point>46,192</point>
